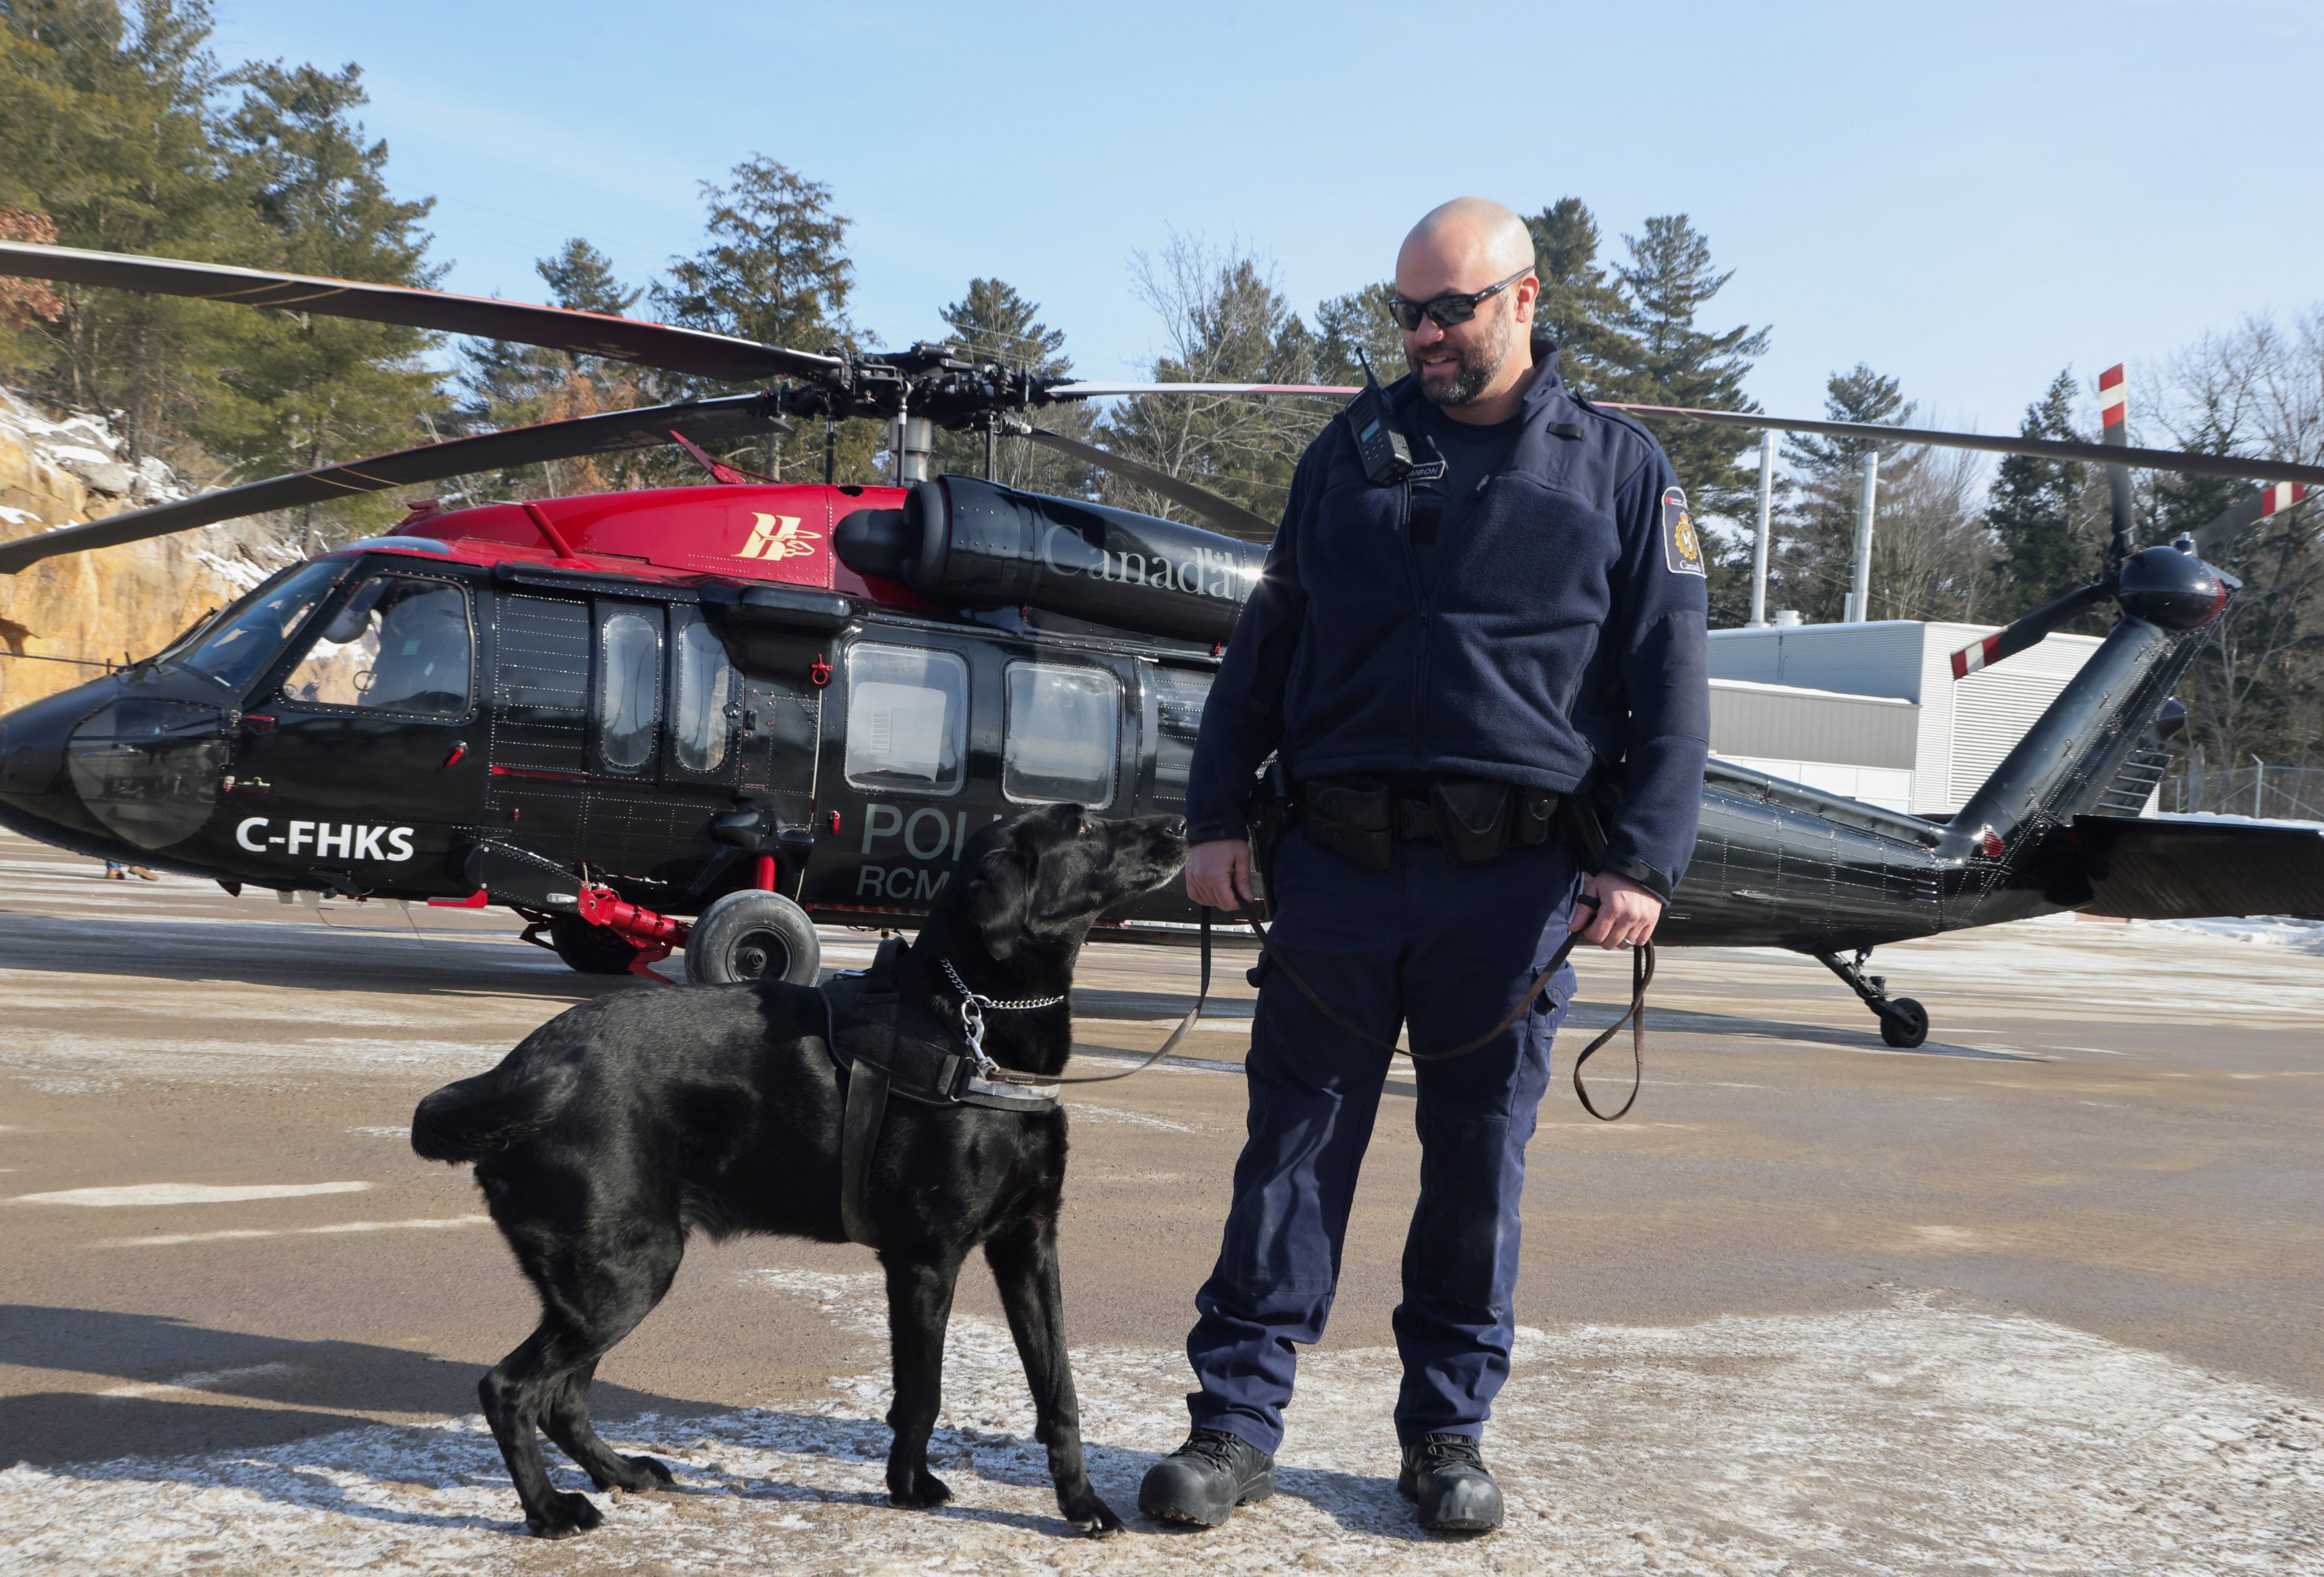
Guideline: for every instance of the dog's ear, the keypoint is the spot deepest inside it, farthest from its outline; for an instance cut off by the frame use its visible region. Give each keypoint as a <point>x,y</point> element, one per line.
<point>999,894</point>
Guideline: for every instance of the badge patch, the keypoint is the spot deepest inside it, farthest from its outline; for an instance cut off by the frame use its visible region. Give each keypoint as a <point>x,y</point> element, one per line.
<point>1681,549</point>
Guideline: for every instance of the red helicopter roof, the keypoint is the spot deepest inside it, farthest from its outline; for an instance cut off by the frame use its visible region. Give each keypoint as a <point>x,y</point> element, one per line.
<point>773,532</point>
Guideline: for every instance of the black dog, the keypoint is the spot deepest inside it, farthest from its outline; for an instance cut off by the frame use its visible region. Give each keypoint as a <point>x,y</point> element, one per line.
<point>619,1125</point>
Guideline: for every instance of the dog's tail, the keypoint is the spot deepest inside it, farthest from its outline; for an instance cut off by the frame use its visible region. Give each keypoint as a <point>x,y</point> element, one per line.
<point>466,1120</point>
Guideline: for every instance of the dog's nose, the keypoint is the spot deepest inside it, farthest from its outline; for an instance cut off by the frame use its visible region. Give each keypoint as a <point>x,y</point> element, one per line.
<point>1175,828</point>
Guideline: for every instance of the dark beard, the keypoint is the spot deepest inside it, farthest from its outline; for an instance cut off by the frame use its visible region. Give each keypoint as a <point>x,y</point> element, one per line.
<point>1479,365</point>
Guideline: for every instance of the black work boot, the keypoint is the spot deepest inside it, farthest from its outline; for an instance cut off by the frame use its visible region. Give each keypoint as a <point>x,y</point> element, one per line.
<point>1445,1475</point>
<point>1204,1480</point>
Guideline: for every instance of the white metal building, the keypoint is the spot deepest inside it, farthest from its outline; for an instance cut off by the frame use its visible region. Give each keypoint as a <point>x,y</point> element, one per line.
<point>1872,711</point>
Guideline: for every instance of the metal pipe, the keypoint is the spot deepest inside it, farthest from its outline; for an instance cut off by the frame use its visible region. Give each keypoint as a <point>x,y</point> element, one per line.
<point>1767,519</point>
<point>1860,599</point>
<point>914,441</point>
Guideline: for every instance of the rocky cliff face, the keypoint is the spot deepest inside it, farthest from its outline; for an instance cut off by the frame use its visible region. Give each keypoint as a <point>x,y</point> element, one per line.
<point>116,603</point>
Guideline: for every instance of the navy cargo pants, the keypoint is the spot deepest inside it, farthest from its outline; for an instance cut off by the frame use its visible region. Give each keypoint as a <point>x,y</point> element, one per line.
<point>1446,949</point>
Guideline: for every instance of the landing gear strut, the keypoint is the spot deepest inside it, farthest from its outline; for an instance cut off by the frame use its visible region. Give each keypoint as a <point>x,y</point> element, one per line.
<point>1903,1022</point>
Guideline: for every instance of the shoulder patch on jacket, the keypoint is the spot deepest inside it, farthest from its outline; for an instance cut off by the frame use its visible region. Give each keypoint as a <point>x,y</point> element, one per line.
<point>1681,549</point>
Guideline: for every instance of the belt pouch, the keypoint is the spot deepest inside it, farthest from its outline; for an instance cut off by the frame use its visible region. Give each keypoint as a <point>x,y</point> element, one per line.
<point>1350,817</point>
<point>1473,819</point>
<point>1536,810</point>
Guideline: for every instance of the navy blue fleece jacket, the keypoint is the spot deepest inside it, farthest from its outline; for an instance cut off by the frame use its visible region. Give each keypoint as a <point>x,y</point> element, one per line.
<point>1566,617</point>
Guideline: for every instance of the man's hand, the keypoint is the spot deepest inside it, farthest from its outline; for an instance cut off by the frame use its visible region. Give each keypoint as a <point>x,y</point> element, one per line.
<point>1625,917</point>
<point>1218,873</point>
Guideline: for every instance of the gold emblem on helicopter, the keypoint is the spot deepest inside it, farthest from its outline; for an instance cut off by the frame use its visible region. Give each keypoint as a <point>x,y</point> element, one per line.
<point>777,537</point>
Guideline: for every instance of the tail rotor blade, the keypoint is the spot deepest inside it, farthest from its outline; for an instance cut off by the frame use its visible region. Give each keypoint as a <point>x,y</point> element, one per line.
<point>2004,644</point>
<point>1225,514</point>
<point>714,419</point>
<point>623,339</point>
<point>2114,417</point>
<point>2268,501</point>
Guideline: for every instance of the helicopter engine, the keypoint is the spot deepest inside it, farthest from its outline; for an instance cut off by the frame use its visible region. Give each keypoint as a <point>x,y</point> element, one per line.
<point>973,544</point>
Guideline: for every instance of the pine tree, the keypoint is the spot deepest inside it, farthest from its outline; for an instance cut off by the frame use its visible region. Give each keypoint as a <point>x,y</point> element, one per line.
<point>504,386</point>
<point>1812,567</point>
<point>776,270</point>
<point>1660,355</point>
<point>105,130</point>
<point>1359,321</point>
<point>1578,306</point>
<point>305,391</point>
<point>2040,513</point>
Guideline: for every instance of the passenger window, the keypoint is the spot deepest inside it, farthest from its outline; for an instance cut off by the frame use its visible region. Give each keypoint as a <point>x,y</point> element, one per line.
<point>398,645</point>
<point>1178,697</point>
<point>629,690</point>
<point>705,686</point>
<point>1063,727</point>
<point>907,719</point>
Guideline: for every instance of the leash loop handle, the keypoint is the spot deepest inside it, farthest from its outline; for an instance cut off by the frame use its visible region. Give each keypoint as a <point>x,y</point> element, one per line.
<point>1642,973</point>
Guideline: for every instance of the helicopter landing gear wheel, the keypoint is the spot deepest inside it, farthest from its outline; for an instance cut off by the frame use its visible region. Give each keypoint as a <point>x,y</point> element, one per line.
<point>590,949</point>
<point>1903,1022</point>
<point>753,935</point>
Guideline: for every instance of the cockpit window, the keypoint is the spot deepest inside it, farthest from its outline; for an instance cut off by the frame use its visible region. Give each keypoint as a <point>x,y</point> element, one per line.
<point>252,632</point>
<point>399,644</point>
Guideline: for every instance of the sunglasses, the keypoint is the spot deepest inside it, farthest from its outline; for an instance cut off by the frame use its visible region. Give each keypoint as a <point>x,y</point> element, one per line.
<point>1448,308</point>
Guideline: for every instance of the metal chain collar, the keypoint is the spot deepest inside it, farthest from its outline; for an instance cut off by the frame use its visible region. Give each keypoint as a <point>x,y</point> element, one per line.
<point>972,1011</point>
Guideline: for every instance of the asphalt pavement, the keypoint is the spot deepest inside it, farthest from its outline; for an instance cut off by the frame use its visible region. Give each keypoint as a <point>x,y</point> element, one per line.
<point>2039,1294</point>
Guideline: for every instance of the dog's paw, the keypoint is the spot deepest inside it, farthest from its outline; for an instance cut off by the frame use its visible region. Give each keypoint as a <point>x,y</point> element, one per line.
<point>564,1516</point>
<point>651,1477</point>
<point>1093,1518</point>
<point>918,1492</point>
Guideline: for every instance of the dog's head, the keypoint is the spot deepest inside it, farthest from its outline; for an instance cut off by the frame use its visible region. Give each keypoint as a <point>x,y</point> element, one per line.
<point>1035,882</point>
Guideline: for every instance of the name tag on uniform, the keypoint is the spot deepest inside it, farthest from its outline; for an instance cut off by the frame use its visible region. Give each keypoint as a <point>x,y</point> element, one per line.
<point>1681,548</point>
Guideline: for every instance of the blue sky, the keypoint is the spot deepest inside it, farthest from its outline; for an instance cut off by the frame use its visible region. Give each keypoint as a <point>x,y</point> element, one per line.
<point>1968,197</point>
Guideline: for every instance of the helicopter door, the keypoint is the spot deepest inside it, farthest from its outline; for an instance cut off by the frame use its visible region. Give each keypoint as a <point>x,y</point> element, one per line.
<point>780,737</point>
<point>370,761</point>
<point>538,793</point>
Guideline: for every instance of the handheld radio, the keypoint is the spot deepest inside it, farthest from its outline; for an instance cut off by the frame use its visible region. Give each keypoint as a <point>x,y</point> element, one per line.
<point>1381,445</point>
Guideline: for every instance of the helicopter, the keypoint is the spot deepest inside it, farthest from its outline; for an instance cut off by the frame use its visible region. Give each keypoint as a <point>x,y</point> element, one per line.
<point>704,718</point>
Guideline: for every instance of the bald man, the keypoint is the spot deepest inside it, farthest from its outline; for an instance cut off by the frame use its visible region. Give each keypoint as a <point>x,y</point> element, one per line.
<point>1484,683</point>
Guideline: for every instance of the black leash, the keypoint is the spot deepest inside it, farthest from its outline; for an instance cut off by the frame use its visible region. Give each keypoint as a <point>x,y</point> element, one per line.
<point>1642,974</point>
<point>998,1075</point>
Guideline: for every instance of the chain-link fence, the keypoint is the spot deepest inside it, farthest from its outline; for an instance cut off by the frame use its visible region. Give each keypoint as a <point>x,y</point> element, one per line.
<point>2272,793</point>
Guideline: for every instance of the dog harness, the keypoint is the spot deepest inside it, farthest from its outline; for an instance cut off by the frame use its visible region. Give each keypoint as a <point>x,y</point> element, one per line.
<point>886,1046</point>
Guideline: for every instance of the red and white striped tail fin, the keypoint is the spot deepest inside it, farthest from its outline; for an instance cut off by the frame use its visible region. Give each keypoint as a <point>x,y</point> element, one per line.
<point>1976,655</point>
<point>2281,495</point>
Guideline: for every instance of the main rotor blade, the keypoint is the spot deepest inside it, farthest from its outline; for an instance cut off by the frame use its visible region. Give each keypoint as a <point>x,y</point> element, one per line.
<point>623,339</point>
<point>2004,644</point>
<point>702,420</point>
<point>1102,390</point>
<point>2180,460</point>
<point>2115,457</point>
<point>2247,512</point>
<point>1228,517</point>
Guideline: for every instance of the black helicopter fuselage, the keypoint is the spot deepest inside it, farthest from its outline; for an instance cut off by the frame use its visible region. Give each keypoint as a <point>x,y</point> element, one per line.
<point>677,694</point>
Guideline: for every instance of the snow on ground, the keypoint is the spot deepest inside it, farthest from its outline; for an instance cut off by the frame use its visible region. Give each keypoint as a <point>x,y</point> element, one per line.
<point>2268,930</point>
<point>1926,1434</point>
